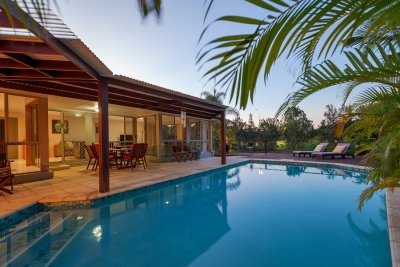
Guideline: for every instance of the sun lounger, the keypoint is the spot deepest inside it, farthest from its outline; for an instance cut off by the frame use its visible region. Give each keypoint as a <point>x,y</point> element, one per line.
<point>340,150</point>
<point>319,148</point>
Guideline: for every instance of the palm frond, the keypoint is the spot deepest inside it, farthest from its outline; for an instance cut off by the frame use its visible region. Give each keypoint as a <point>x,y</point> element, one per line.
<point>364,67</point>
<point>290,28</point>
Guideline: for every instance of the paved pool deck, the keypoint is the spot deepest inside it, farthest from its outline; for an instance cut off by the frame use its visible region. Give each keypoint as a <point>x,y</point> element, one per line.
<point>79,184</point>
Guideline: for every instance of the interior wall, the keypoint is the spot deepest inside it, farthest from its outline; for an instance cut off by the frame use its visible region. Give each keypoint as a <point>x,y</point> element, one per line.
<point>140,130</point>
<point>76,130</point>
<point>116,128</point>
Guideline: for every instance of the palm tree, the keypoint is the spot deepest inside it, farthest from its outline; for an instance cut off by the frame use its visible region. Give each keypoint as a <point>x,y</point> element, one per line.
<point>303,29</point>
<point>367,32</point>
<point>213,96</point>
<point>379,110</point>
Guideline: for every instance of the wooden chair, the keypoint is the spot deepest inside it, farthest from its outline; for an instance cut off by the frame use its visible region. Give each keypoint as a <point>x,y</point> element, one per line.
<point>6,179</point>
<point>89,150</point>
<point>137,155</point>
<point>95,149</point>
<point>111,157</point>
<point>178,153</point>
<point>4,162</point>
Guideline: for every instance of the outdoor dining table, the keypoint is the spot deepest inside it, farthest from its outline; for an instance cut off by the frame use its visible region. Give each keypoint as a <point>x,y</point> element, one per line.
<point>119,153</point>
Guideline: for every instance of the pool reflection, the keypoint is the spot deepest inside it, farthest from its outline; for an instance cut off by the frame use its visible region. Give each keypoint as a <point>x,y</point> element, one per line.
<point>295,170</point>
<point>374,238</point>
<point>158,228</point>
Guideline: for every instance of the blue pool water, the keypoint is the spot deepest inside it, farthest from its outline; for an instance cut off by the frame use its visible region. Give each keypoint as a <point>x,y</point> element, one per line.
<point>251,215</point>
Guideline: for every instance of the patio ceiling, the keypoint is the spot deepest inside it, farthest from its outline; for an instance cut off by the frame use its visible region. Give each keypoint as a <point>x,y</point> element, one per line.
<point>49,59</point>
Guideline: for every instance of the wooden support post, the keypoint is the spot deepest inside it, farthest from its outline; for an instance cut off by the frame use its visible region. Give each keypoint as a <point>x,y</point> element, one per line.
<point>104,172</point>
<point>6,115</point>
<point>210,137</point>
<point>223,139</point>
<point>43,133</point>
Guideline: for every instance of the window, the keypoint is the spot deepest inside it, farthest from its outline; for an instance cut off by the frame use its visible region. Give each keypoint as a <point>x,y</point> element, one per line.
<point>168,127</point>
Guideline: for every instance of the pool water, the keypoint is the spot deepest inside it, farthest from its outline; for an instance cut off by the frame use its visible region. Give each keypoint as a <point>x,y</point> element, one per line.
<point>251,215</point>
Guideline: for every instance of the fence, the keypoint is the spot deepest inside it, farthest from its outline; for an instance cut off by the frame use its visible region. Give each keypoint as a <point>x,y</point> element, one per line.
<point>248,146</point>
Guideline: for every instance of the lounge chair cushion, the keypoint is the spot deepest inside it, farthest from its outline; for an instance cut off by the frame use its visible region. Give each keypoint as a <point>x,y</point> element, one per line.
<point>319,148</point>
<point>339,149</point>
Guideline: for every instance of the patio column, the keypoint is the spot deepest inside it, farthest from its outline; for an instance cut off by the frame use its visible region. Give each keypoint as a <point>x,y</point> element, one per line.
<point>43,133</point>
<point>104,174</point>
<point>223,138</point>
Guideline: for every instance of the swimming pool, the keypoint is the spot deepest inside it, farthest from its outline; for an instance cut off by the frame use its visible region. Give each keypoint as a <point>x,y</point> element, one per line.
<point>257,214</point>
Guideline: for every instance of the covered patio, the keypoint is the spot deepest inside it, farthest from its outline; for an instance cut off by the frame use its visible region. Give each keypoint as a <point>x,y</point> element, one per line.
<point>44,60</point>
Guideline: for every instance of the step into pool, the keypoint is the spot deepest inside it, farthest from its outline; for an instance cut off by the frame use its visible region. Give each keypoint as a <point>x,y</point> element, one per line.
<point>256,214</point>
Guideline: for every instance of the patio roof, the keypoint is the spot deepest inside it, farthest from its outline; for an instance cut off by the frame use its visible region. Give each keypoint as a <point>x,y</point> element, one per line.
<point>43,56</point>
<point>46,57</point>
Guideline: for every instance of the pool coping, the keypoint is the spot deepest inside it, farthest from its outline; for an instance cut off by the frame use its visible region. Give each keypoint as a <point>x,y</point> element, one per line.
<point>392,198</point>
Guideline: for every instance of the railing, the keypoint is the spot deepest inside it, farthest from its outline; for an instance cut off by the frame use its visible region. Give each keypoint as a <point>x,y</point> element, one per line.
<point>250,146</point>
<point>167,151</point>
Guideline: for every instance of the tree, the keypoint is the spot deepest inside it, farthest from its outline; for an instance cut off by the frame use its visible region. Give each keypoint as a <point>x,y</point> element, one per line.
<point>297,128</point>
<point>213,96</point>
<point>379,113</point>
<point>304,29</point>
<point>328,128</point>
<point>269,132</point>
<point>235,128</point>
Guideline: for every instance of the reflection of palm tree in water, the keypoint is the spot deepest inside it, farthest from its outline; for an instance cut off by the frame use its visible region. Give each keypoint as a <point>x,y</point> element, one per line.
<point>294,171</point>
<point>373,241</point>
<point>235,184</point>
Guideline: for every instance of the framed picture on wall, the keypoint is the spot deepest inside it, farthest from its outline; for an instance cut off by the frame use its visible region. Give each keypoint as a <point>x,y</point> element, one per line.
<point>56,127</point>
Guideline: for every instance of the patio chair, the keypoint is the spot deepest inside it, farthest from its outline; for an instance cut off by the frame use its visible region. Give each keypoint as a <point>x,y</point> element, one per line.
<point>4,162</point>
<point>341,150</point>
<point>89,150</point>
<point>319,148</point>
<point>137,155</point>
<point>6,179</point>
<point>111,156</point>
<point>177,150</point>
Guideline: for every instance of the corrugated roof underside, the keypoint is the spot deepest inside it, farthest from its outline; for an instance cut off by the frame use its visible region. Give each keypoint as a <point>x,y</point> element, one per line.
<point>159,88</point>
<point>51,22</point>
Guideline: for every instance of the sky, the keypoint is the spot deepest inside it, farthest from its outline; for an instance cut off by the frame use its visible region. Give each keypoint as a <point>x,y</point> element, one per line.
<point>163,51</point>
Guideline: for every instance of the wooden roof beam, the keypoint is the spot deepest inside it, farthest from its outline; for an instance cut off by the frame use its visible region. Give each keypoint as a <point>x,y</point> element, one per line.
<point>26,48</point>
<point>41,90</point>
<point>142,89</point>
<point>56,45</point>
<point>39,64</point>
